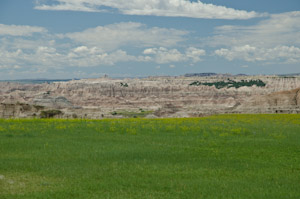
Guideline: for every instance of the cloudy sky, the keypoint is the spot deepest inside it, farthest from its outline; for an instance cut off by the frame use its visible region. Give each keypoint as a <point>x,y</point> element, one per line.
<point>137,38</point>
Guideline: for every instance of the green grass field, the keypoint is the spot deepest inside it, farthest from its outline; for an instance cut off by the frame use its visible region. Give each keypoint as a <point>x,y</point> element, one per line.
<point>226,156</point>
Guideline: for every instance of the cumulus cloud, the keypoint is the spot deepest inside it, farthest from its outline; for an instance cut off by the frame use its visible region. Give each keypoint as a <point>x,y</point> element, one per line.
<point>274,39</point>
<point>194,54</point>
<point>103,45</point>
<point>87,57</point>
<point>10,67</point>
<point>42,56</point>
<point>71,5</point>
<point>163,55</point>
<point>279,29</point>
<point>172,8</point>
<point>27,43</point>
<point>135,34</point>
<point>287,54</point>
<point>84,56</point>
<point>15,30</point>
<point>81,56</point>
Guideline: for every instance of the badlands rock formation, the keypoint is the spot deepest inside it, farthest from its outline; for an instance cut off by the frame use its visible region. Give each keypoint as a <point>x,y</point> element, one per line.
<point>150,97</point>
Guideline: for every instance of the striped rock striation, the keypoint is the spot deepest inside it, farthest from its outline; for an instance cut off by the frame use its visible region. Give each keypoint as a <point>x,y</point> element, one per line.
<point>150,97</point>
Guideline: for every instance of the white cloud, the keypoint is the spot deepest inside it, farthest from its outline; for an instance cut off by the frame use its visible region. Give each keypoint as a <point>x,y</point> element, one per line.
<point>27,43</point>
<point>279,29</point>
<point>84,56</point>
<point>87,57</point>
<point>150,51</point>
<point>82,49</point>
<point>274,39</point>
<point>10,67</point>
<point>15,30</point>
<point>73,5</point>
<point>42,56</point>
<point>163,55</point>
<point>81,56</point>
<point>93,47</point>
<point>172,8</point>
<point>172,66</point>
<point>287,54</point>
<point>135,34</point>
<point>195,54</point>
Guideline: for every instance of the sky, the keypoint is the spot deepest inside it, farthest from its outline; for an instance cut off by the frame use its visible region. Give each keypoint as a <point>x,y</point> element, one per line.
<point>62,39</point>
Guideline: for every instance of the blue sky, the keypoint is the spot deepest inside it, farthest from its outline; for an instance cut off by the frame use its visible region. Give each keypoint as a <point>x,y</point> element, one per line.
<point>136,38</point>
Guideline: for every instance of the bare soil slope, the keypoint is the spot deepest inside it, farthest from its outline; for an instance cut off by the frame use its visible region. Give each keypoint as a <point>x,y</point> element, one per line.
<point>156,96</point>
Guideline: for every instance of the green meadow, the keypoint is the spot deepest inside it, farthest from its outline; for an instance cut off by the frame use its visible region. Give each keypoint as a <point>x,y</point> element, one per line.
<point>225,156</point>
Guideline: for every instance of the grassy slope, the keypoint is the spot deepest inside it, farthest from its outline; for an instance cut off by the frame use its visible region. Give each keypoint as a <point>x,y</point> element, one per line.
<point>229,156</point>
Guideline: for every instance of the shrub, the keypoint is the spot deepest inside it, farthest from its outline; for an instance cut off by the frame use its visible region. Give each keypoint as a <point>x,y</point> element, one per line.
<point>230,83</point>
<point>124,84</point>
<point>114,113</point>
<point>50,113</point>
<point>38,107</point>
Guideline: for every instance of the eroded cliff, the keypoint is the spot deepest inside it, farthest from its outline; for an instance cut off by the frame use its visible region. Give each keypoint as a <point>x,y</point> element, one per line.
<point>156,96</point>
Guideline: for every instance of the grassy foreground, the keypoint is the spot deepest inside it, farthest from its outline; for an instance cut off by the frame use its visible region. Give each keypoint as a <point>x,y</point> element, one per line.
<point>227,156</point>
